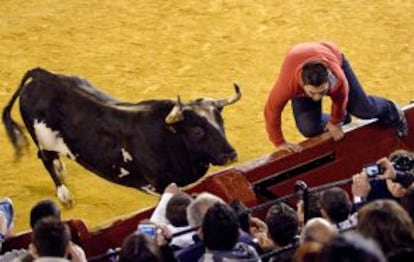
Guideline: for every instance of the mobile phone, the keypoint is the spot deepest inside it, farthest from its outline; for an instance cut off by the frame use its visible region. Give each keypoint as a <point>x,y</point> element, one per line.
<point>148,229</point>
<point>373,170</point>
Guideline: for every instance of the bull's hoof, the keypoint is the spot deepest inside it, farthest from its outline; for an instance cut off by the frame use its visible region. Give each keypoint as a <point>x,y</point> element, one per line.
<point>64,196</point>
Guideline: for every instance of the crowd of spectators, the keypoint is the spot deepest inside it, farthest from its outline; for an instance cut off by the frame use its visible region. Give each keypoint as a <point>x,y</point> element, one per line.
<point>375,223</point>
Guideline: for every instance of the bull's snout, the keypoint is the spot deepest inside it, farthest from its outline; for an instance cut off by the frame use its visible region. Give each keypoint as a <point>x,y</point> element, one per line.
<point>226,158</point>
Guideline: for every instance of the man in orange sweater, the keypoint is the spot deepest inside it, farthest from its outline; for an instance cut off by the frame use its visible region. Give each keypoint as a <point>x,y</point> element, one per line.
<point>311,71</point>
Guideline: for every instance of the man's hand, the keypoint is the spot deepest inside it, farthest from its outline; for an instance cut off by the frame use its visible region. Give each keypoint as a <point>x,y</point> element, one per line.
<point>286,146</point>
<point>360,185</point>
<point>76,252</point>
<point>389,171</point>
<point>172,189</point>
<point>335,130</point>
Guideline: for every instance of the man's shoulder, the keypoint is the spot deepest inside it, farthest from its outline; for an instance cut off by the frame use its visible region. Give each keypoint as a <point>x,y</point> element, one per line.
<point>13,254</point>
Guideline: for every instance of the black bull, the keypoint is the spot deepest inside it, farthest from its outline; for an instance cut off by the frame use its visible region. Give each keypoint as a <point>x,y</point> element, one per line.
<point>145,145</point>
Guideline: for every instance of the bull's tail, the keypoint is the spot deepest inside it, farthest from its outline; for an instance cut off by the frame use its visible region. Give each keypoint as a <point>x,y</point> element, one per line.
<point>14,130</point>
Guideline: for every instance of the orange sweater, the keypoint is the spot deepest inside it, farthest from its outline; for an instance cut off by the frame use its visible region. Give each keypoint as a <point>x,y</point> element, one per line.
<point>289,84</point>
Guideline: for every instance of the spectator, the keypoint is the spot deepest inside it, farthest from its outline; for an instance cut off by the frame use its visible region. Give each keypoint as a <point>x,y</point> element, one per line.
<point>336,207</point>
<point>282,221</point>
<point>389,224</point>
<point>318,230</point>
<point>43,208</point>
<point>171,212</point>
<point>6,219</point>
<point>51,242</point>
<point>195,215</point>
<point>220,231</point>
<point>391,184</point>
<point>254,226</point>
<point>140,247</point>
<point>351,246</point>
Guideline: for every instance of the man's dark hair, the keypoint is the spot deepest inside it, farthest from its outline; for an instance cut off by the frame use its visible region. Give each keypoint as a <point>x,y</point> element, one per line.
<point>351,247</point>
<point>43,208</point>
<point>282,221</point>
<point>176,210</point>
<point>336,203</point>
<point>140,247</point>
<point>220,228</point>
<point>242,213</point>
<point>314,73</point>
<point>51,237</point>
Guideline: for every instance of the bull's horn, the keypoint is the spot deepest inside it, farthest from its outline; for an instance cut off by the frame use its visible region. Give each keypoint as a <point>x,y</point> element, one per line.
<point>176,113</point>
<point>231,100</point>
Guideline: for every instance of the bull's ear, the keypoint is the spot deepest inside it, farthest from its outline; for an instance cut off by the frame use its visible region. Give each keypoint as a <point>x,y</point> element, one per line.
<point>176,113</point>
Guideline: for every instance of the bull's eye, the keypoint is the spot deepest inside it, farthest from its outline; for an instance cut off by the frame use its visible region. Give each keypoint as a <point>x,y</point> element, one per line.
<point>197,131</point>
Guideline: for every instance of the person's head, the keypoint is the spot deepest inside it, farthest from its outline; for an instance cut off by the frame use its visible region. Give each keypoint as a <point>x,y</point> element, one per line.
<point>198,208</point>
<point>353,247</point>
<point>50,237</point>
<point>315,79</point>
<point>140,247</point>
<point>176,209</point>
<point>242,213</point>
<point>335,204</point>
<point>318,229</point>
<point>388,223</point>
<point>220,228</point>
<point>42,209</point>
<point>282,222</point>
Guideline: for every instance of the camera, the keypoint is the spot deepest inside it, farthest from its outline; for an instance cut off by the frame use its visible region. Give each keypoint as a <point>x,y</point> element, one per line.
<point>373,169</point>
<point>148,229</point>
<point>402,162</point>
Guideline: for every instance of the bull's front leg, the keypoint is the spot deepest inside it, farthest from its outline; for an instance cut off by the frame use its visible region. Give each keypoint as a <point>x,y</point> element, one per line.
<point>56,169</point>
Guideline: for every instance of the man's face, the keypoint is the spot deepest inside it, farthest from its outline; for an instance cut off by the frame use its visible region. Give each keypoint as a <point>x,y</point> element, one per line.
<point>316,92</point>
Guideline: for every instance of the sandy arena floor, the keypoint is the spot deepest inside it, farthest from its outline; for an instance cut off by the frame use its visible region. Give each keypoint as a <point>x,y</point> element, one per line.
<point>138,50</point>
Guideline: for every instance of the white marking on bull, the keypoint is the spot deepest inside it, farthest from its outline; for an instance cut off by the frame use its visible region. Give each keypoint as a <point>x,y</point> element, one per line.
<point>132,107</point>
<point>51,140</point>
<point>64,196</point>
<point>150,189</point>
<point>208,113</point>
<point>126,155</point>
<point>123,173</point>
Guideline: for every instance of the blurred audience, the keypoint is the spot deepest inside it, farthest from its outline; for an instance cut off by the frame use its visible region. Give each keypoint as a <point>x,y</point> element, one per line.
<point>353,247</point>
<point>389,224</point>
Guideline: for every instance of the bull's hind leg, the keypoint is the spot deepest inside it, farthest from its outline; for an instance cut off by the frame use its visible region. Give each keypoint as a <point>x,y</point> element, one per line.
<point>56,170</point>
